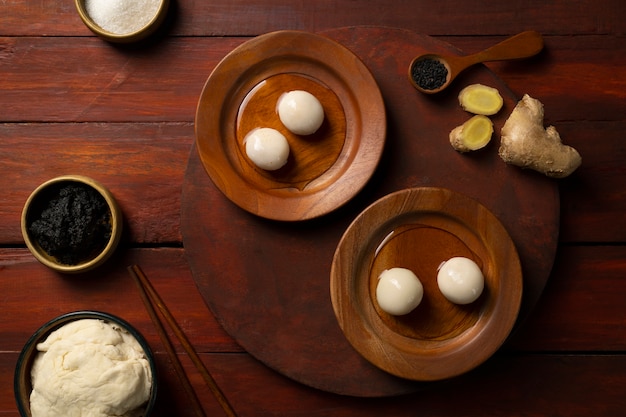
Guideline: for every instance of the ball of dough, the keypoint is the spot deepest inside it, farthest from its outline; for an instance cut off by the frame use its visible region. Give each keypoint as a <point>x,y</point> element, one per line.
<point>398,291</point>
<point>301,112</point>
<point>89,367</point>
<point>267,148</point>
<point>460,280</point>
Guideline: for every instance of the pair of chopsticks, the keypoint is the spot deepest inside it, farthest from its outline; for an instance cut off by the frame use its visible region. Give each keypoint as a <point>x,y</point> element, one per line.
<point>149,297</point>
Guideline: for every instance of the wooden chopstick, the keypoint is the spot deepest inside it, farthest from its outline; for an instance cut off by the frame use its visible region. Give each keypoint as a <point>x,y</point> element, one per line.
<point>150,297</point>
<point>182,376</point>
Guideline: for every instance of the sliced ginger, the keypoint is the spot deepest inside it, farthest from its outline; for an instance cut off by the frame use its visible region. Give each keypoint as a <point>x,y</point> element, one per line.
<point>480,99</point>
<point>527,144</point>
<point>472,135</point>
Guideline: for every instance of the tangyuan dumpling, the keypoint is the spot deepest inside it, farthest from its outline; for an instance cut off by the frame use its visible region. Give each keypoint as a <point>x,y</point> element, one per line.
<point>460,280</point>
<point>301,112</point>
<point>267,148</point>
<point>399,291</point>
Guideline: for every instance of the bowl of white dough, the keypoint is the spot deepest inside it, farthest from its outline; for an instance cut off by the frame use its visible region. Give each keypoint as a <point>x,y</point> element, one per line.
<point>85,363</point>
<point>122,21</point>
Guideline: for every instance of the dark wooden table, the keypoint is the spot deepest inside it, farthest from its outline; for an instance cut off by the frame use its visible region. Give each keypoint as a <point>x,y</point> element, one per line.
<point>72,103</point>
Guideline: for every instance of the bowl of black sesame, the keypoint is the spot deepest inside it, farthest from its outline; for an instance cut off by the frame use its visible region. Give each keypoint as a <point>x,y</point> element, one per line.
<point>71,224</point>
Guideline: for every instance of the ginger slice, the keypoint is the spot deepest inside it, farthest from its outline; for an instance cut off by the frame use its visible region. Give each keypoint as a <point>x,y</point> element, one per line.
<point>480,99</point>
<point>527,144</point>
<point>472,135</point>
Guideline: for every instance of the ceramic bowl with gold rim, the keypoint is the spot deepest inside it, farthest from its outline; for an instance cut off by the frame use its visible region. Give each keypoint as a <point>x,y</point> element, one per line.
<point>122,21</point>
<point>71,223</point>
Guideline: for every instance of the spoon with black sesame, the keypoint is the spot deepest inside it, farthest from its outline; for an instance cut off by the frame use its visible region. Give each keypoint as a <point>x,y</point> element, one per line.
<point>432,73</point>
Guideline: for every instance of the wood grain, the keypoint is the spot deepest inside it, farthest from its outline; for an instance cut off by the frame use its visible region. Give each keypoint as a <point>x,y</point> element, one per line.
<point>248,382</point>
<point>582,304</point>
<point>113,84</point>
<point>153,155</point>
<point>522,45</point>
<point>258,295</point>
<point>323,171</point>
<point>106,289</point>
<point>110,84</point>
<point>419,229</point>
<point>250,18</point>
<point>581,385</point>
<point>73,103</point>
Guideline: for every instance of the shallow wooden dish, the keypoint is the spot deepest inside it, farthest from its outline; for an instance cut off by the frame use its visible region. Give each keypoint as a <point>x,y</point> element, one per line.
<point>324,170</point>
<point>418,229</point>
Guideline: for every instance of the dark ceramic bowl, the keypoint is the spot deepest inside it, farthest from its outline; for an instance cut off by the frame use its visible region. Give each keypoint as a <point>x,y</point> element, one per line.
<point>22,377</point>
<point>38,200</point>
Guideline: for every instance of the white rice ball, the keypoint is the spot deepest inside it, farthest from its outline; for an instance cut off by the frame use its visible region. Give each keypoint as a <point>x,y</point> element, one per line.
<point>399,291</point>
<point>301,112</point>
<point>267,148</point>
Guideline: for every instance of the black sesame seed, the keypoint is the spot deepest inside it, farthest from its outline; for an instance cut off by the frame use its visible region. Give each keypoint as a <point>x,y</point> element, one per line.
<point>74,226</point>
<point>429,74</point>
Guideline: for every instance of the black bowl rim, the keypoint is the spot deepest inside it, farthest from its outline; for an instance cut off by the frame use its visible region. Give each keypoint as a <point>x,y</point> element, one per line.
<point>24,359</point>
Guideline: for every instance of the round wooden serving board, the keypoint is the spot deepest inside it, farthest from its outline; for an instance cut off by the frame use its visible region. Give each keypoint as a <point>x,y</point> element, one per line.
<point>268,281</point>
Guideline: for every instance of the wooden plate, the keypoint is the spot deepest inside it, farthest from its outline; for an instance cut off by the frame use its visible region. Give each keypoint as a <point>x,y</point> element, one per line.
<point>419,229</point>
<point>325,169</point>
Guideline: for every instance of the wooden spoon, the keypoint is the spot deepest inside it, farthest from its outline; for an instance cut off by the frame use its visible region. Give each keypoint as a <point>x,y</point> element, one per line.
<point>522,45</point>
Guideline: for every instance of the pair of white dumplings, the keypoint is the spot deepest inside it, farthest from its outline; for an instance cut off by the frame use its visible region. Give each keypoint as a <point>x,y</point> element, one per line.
<point>399,290</point>
<point>301,113</point>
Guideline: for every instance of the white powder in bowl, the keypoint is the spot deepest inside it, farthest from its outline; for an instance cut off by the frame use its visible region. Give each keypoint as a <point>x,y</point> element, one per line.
<point>122,16</point>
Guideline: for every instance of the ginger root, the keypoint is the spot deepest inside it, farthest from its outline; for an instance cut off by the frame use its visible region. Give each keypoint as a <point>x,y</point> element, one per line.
<point>527,144</point>
<point>472,135</point>
<point>480,99</point>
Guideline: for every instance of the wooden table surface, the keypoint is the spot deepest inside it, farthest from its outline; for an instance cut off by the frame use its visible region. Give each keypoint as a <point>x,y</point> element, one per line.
<point>73,103</point>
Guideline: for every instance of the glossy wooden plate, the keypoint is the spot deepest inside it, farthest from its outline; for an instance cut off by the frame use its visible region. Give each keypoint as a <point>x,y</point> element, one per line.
<point>418,229</point>
<point>324,170</point>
